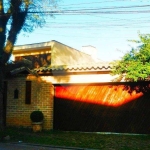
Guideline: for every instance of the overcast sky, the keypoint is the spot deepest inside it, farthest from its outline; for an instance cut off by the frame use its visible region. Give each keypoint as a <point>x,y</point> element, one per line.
<point>104,24</point>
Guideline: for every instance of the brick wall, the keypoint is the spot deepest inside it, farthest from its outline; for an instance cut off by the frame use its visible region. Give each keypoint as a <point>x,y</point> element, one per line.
<point>18,113</point>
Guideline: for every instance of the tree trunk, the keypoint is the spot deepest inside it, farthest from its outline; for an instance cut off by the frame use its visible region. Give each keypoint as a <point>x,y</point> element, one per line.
<point>1,99</point>
<point>1,112</point>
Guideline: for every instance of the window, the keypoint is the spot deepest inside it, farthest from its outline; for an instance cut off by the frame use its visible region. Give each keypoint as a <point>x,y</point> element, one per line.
<point>16,94</point>
<point>28,93</point>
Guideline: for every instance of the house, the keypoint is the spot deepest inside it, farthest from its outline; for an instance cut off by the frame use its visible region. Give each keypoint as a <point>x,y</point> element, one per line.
<point>74,91</point>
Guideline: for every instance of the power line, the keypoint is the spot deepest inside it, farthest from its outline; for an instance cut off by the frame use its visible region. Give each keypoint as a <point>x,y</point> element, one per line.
<point>93,11</point>
<point>75,4</point>
<point>101,24</point>
<point>113,7</point>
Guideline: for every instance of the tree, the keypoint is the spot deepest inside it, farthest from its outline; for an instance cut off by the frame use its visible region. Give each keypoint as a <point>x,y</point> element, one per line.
<point>135,64</point>
<point>16,16</point>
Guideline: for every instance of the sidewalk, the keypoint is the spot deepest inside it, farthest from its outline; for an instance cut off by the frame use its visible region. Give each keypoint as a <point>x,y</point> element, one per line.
<point>25,146</point>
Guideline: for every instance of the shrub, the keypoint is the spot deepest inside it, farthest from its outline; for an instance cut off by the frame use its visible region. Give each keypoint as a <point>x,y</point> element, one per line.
<point>37,116</point>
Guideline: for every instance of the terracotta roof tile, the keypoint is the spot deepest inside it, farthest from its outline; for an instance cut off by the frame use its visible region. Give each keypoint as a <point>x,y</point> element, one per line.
<point>100,66</point>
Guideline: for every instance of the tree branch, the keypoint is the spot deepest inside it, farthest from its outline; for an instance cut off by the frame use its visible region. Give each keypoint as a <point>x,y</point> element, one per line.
<point>3,23</point>
<point>18,20</point>
<point>1,7</point>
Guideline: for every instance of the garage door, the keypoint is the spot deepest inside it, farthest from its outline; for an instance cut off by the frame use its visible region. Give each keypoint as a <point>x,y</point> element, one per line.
<point>101,108</point>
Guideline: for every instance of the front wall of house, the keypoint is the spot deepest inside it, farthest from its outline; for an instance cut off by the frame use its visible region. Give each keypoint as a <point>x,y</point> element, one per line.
<point>42,97</point>
<point>79,78</point>
<point>18,113</point>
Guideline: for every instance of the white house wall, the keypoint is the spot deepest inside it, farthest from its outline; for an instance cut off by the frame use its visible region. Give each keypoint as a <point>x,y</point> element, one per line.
<point>89,78</point>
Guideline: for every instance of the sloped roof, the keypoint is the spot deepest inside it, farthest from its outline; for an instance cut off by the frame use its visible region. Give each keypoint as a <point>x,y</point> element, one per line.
<point>65,58</point>
<point>100,66</point>
<point>20,69</point>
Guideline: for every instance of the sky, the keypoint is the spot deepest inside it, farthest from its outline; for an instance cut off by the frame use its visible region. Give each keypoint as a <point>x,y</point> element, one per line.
<point>106,25</point>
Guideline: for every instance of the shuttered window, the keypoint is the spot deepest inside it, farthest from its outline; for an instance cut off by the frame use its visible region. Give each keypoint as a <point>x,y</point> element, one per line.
<point>28,93</point>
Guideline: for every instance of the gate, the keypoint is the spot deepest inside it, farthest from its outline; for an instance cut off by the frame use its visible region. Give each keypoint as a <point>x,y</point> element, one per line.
<point>101,108</point>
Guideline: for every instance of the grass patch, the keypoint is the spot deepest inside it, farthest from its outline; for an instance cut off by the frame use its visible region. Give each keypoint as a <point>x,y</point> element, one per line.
<point>79,139</point>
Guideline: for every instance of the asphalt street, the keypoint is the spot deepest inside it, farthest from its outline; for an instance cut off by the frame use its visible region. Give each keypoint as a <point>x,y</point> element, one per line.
<point>21,146</point>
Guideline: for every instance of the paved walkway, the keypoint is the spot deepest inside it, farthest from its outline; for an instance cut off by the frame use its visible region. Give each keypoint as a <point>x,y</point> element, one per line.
<point>24,146</point>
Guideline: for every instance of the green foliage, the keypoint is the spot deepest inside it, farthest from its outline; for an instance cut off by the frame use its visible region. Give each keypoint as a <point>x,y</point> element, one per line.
<point>135,64</point>
<point>37,116</point>
<point>21,15</point>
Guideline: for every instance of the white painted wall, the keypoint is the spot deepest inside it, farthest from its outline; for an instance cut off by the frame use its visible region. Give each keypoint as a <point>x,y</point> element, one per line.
<point>89,78</point>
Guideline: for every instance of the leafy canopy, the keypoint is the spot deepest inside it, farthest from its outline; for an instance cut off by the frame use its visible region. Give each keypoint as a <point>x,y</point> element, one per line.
<point>20,15</point>
<point>135,64</point>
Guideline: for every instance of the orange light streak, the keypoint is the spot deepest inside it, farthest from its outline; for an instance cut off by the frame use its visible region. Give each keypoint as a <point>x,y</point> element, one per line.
<point>102,95</point>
